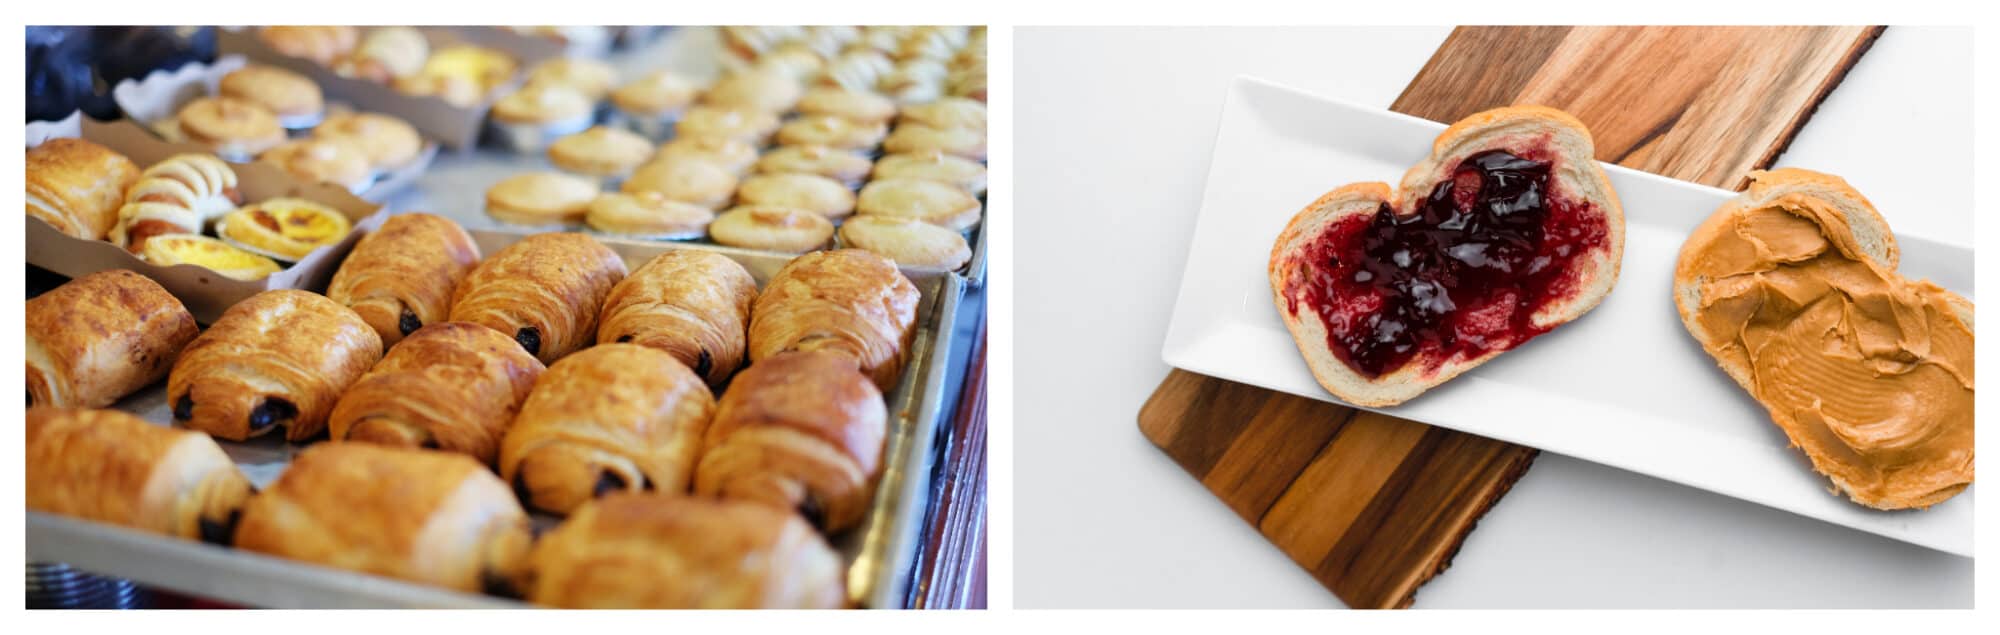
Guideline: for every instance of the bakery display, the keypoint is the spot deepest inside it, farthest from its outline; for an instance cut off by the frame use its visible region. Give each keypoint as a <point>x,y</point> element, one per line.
<point>451,386</point>
<point>112,467</point>
<point>770,228</point>
<point>541,198</point>
<point>695,305</point>
<point>431,517</point>
<point>1507,230</point>
<point>231,127</point>
<point>664,551</point>
<point>684,179</point>
<point>100,337</point>
<point>78,186</point>
<point>400,277</point>
<point>613,417</point>
<point>847,301</point>
<point>278,359</point>
<point>648,215</point>
<point>543,291</point>
<point>907,242</point>
<point>283,228</point>
<point>1793,288</point>
<point>934,202</point>
<point>600,151</point>
<point>810,192</point>
<point>800,431</point>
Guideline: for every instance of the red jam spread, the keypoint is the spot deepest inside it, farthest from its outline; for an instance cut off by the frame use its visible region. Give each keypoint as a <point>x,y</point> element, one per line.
<point>1461,276</point>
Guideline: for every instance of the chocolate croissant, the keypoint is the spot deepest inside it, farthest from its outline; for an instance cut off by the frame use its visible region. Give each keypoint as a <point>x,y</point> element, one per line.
<point>100,337</point>
<point>451,386</point>
<point>77,186</point>
<point>663,551</point>
<point>692,304</point>
<point>400,277</point>
<point>847,301</point>
<point>543,291</point>
<point>430,517</point>
<point>612,417</point>
<point>800,431</point>
<point>108,466</point>
<point>280,358</point>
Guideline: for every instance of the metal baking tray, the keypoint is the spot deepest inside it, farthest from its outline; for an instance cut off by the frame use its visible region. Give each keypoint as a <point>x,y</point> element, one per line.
<point>880,553</point>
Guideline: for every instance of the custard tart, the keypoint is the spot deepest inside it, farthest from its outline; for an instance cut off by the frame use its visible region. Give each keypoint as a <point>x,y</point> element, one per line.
<point>208,253</point>
<point>283,228</point>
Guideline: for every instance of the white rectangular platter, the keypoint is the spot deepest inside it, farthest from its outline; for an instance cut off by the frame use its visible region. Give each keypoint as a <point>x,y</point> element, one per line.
<point>1625,385</point>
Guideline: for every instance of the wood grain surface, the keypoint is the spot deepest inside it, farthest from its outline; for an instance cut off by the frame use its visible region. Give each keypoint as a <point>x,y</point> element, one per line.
<point>951,565</point>
<point>1373,506</point>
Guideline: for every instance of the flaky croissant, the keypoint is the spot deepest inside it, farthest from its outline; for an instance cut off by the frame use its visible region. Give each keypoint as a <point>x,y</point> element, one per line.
<point>846,301</point>
<point>612,417</point>
<point>543,291</point>
<point>400,277</point>
<point>100,337</point>
<point>800,431</point>
<point>690,303</point>
<point>450,386</point>
<point>280,358</point>
<point>108,466</point>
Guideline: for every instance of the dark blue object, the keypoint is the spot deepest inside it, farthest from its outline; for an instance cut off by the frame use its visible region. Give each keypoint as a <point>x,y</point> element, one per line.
<point>74,67</point>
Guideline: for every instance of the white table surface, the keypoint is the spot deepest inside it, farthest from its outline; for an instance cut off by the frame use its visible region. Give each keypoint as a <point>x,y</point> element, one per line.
<point>1113,130</point>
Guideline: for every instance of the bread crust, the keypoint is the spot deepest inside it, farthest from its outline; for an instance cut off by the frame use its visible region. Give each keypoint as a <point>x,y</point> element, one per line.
<point>77,186</point>
<point>100,337</point>
<point>630,550</point>
<point>1573,167</point>
<point>552,283</point>
<point>109,466</point>
<point>847,301</point>
<point>452,386</point>
<point>799,431</point>
<point>692,304</point>
<point>411,264</point>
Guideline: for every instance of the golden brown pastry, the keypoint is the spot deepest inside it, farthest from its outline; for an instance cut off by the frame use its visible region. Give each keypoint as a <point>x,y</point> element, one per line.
<point>734,155</point>
<point>175,196</point>
<point>950,112</point>
<point>965,142</point>
<point>390,143</point>
<point>543,291</point>
<point>648,215</point>
<point>772,228</point>
<point>809,192</point>
<point>854,105</point>
<point>692,304</point>
<point>540,198</point>
<point>400,277</point>
<point>109,466</point>
<point>798,431</point>
<point>846,167</point>
<point>284,228</point>
<point>749,126</point>
<point>452,386</point>
<point>661,94</point>
<point>321,44</point>
<point>294,98</point>
<point>420,515</point>
<point>689,180</point>
<point>908,242</point>
<point>591,77</point>
<point>600,151</point>
<point>208,253</point>
<point>231,127</point>
<point>662,551</point>
<point>756,90</point>
<point>386,53</point>
<point>611,417</point>
<point>280,358</point>
<point>967,174</point>
<point>934,202</point>
<point>77,186</point>
<point>100,337</point>
<point>846,301</point>
<point>323,160</point>
<point>831,131</point>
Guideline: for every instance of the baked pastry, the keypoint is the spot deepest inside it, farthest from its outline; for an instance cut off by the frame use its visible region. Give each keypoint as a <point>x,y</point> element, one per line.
<point>931,42</point>
<point>937,203</point>
<point>734,155</point>
<point>798,431</point>
<point>283,228</point>
<point>540,198</point>
<point>592,78</point>
<point>100,337</point>
<point>908,242</point>
<point>749,126</point>
<point>77,186</point>
<point>792,59</point>
<point>863,107</point>
<point>386,53</point>
<point>175,196</point>
<point>230,127</point>
<point>967,174</point>
<point>848,168</point>
<point>321,43</point>
<point>530,117</point>
<point>323,160</point>
<point>660,95</point>
<point>112,467</point>
<point>949,112</point>
<point>457,90</point>
<point>857,70</point>
<point>208,253</point>
<point>451,386</point>
<point>278,359</point>
<point>968,82</point>
<point>827,130</point>
<point>661,551</point>
<point>389,143</point>
<point>295,99</point>
<point>1507,230</point>
<point>399,278</point>
<point>688,180</point>
<point>915,138</point>
<point>809,192</point>
<point>695,305</point>
<point>772,228</point>
<point>845,301</point>
<point>755,90</point>
<point>648,215</point>
<point>750,42</point>
<point>420,515</point>
<point>1792,287</point>
<point>543,291</point>
<point>611,417</point>
<point>829,39</point>
<point>463,74</point>
<point>600,151</point>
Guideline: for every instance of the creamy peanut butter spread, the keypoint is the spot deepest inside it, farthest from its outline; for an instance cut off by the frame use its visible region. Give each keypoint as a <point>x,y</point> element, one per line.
<point>1868,372</point>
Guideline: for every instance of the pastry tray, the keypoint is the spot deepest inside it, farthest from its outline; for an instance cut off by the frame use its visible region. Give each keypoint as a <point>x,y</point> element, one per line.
<point>880,553</point>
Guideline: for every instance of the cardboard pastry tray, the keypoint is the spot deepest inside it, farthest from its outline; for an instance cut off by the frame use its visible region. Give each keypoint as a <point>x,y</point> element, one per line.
<point>879,554</point>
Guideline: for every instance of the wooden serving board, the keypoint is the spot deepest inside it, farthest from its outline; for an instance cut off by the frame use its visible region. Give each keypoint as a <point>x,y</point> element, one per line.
<point>1373,506</point>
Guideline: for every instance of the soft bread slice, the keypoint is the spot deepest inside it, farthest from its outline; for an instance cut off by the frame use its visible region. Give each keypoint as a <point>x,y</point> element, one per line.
<point>1574,171</point>
<point>1870,233</point>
